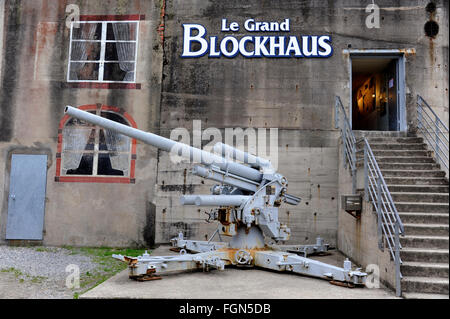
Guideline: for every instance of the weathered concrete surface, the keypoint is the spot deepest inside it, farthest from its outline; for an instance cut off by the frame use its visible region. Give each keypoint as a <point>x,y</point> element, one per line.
<point>307,159</point>
<point>2,16</point>
<point>294,95</point>
<point>33,97</point>
<point>233,283</point>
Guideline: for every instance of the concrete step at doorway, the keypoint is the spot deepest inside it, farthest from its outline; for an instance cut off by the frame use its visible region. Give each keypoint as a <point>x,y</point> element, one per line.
<point>403,140</point>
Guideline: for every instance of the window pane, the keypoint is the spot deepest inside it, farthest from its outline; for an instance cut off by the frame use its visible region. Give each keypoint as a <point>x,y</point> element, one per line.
<point>120,162</point>
<point>120,51</point>
<point>119,72</point>
<point>84,167</point>
<point>121,31</point>
<point>76,138</point>
<point>83,71</point>
<point>105,166</point>
<point>115,142</point>
<point>102,141</point>
<point>71,161</point>
<point>85,51</point>
<point>87,31</point>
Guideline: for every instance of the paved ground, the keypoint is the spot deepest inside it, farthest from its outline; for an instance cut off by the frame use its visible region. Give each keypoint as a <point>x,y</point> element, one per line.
<point>13,288</point>
<point>38,272</point>
<point>233,283</point>
<point>43,272</point>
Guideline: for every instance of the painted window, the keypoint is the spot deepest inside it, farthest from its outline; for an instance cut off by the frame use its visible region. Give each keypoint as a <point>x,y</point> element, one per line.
<point>88,153</point>
<point>103,51</point>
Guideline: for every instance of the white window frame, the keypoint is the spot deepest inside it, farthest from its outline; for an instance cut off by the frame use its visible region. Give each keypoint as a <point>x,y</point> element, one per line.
<point>103,42</point>
<point>96,151</point>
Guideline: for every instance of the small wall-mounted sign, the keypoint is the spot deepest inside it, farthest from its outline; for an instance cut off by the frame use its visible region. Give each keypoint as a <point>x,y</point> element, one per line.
<point>352,204</point>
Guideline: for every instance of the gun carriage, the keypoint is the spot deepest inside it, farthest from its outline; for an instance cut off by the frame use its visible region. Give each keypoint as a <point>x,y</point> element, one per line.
<point>246,203</point>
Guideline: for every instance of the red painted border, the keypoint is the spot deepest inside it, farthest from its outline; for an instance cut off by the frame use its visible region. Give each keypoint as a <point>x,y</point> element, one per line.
<point>112,17</point>
<point>96,179</point>
<point>97,85</point>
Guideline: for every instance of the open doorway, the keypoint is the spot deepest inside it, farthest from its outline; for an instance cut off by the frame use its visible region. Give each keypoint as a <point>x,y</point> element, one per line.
<point>377,85</point>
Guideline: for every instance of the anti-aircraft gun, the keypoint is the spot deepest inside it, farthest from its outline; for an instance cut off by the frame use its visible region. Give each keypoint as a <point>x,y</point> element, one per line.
<point>247,201</point>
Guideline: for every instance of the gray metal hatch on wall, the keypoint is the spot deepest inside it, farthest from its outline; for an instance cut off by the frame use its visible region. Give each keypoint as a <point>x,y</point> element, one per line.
<point>26,202</point>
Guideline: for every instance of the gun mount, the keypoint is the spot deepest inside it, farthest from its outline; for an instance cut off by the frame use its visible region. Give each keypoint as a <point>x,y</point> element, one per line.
<point>246,206</point>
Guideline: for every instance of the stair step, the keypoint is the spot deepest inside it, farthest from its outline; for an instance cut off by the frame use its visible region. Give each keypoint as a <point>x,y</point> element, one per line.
<point>411,173</point>
<point>420,197</point>
<point>416,295</point>
<point>396,153</point>
<point>421,207</point>
<point>424,269</point>
<point>395,139</point>
<point>426,229</point>
<point>425,284</point>
<point>424,255</point>
<point>419,241</point>
<point>401,159</point>
<point>398,146</point>
<point>424,218</point>
<point>416,180</point>
<point>390,134</point>
<point>409,166</point>
<point>418,188</point>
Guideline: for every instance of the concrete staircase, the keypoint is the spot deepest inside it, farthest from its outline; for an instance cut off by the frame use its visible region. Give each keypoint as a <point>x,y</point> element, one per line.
<point>421,195</point>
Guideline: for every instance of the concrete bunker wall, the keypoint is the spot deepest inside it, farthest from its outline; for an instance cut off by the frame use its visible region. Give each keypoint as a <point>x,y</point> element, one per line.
<point>294,95</point>
<point>35,92</point>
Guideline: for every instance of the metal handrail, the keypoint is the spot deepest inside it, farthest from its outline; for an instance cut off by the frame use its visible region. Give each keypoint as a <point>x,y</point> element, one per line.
<point>348,139</point>
<point>434,131</point>
<point>389,223</point>
<point>375,189</point>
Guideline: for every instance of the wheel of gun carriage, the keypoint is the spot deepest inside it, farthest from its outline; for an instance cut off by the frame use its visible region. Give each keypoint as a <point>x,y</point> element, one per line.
<point>243,257</point>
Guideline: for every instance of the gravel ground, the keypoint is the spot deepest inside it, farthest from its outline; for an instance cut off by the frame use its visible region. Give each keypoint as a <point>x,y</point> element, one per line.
<point>40,272</point>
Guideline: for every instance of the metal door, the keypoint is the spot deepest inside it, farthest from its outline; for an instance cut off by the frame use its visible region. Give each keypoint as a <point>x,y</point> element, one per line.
<point>393,109</point>
<point>26,202</point>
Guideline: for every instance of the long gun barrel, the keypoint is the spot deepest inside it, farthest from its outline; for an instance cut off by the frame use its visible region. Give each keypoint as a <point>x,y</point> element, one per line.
<point>168,145</point>
<point>256,190</point>
<point>236,154</point>
<point>214,200</point>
